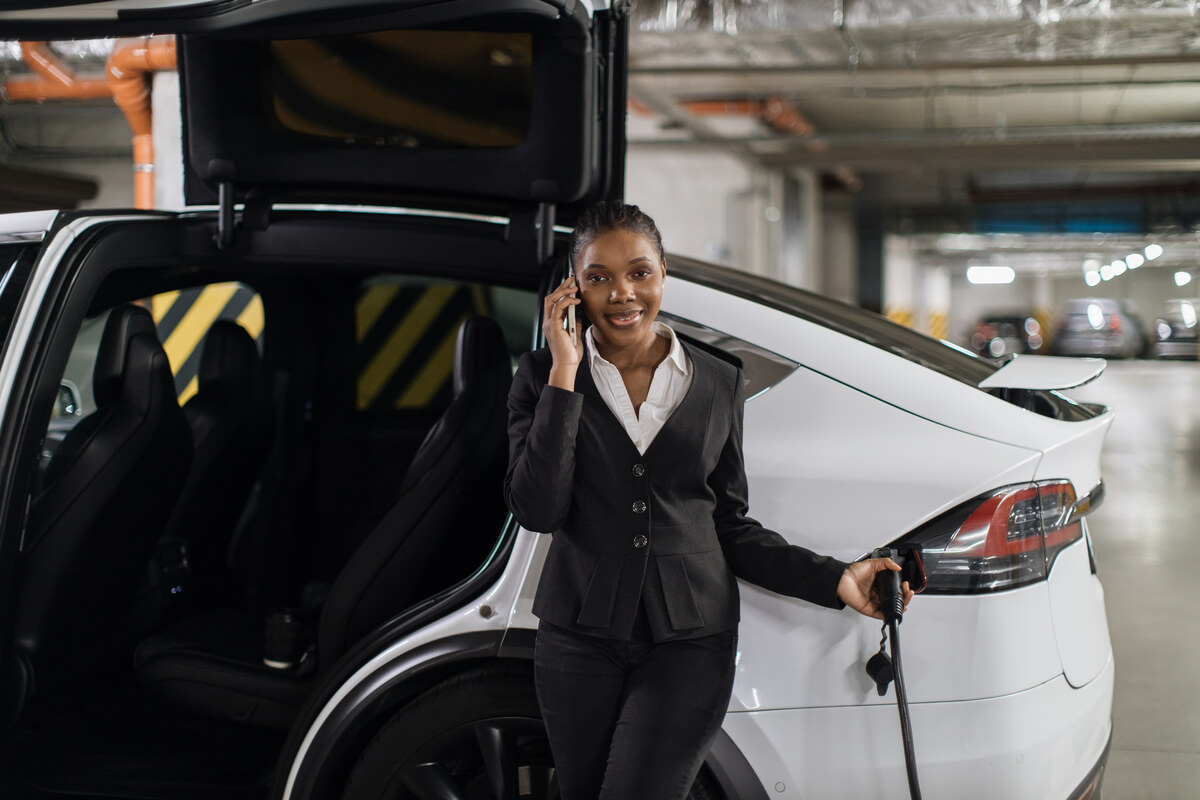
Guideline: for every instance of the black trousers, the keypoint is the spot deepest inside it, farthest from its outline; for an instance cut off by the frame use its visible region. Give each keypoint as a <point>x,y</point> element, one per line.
<point>631,720</point>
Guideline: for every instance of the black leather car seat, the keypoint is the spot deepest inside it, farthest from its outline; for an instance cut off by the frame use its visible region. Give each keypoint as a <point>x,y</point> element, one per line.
<point>449,514</point>
<point>106,497</point>
<point>230,418</point>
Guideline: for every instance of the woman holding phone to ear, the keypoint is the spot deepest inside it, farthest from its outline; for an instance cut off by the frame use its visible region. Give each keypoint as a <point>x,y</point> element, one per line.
<point>627,448</point>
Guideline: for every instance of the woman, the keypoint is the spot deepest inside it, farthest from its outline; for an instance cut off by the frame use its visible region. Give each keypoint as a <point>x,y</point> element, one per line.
<point>627,446</point>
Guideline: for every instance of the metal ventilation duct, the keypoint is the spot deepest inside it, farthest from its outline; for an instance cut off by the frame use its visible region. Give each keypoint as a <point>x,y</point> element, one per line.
<point>907,33</point>
<point>83,56</point>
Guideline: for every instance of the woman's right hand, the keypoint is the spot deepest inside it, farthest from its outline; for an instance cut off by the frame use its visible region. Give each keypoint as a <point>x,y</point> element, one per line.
<point>566,353</point>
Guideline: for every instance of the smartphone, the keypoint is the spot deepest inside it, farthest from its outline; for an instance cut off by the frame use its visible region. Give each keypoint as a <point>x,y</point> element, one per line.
<point>572,328</point>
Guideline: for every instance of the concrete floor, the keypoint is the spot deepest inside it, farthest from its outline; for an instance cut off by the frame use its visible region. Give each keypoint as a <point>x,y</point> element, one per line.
<point>1147,543</point>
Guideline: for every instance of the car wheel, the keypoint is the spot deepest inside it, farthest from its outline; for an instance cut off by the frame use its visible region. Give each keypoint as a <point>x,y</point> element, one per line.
<point>476,736</point>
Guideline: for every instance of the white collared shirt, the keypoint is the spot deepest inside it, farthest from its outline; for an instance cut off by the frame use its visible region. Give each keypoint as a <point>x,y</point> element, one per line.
<point>672,378</point>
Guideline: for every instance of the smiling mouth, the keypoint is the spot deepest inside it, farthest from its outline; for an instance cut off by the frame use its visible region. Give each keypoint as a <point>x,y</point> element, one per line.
<point>624,319</point>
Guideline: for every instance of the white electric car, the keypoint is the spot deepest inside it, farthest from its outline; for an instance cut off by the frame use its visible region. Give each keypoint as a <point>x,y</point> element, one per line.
<point>304,584</point>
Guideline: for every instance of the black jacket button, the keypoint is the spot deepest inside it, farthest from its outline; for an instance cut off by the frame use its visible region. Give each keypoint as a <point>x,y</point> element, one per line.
<point>640,541</point>
<point>639,506</point>
<point>638,470</point>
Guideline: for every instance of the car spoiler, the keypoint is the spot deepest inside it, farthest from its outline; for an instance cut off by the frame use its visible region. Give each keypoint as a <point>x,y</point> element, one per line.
<point>1044,373</point>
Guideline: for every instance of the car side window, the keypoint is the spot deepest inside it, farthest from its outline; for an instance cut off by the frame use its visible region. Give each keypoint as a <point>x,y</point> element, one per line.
<point>405,333</point>
<point>184,317</point>
<point>16,264</point>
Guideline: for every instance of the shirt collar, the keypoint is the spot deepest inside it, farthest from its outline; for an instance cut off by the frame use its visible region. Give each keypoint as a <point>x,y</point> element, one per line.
<point>676,355</point>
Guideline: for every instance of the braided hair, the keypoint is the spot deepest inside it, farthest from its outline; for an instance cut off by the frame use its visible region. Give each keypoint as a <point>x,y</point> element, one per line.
<point>605,217</point>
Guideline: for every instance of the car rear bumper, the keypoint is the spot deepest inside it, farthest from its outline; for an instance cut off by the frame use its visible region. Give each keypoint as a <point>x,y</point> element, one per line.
<point>1111,348</point>
<point>1049,742</point>
<point>1168,349</point>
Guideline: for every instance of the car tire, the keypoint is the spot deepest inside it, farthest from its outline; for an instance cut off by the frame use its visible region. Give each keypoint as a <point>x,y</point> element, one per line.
<point>442,741</point>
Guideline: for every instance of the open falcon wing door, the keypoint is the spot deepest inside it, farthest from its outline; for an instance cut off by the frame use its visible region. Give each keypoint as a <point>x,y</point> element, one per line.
<point>502,106</point>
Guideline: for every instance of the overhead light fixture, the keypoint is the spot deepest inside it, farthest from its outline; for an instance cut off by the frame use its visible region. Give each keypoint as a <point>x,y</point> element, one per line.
<point>1134,260</point>
<point>1106,272</point>
<point>990,274</point>
<point>1183,278</point>
<point>1091,277</point>
<point>1153,251</point>
<point>1118,267</point>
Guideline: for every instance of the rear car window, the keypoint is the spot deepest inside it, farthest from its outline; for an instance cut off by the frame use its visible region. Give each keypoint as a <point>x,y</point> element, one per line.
<point>935,354</point>
<point>183,318</point>
<point>405,333</point>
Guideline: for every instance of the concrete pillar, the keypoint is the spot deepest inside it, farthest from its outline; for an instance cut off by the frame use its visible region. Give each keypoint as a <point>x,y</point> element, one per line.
<point>937,301</point>
<point>765,226</point>
<point>869,248</point>
<point>168,140</point>
<point>802,233</point>
<point>837,264</point>
<point>1043,306</point>
<point>899,281</point>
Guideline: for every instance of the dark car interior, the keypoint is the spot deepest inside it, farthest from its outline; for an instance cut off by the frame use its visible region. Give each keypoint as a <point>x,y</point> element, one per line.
<point>317,470</point>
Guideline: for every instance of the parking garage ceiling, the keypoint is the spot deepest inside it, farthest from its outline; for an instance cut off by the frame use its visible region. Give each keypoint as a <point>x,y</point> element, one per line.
<point>929,107</point>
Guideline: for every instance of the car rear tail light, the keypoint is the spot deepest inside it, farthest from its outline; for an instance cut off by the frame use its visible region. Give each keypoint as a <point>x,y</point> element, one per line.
<point>1003,539</point>
<point>1114,323</point>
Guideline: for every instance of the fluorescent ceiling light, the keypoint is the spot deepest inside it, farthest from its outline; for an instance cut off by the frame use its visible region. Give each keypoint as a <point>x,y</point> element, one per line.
<point>1118,267</point>
<point>1183,278</point>
<point>1091,277</point>
<point>1106,272</point>
<point>1134,260</point>
<point>990,274</point>
<point>1153,251</point>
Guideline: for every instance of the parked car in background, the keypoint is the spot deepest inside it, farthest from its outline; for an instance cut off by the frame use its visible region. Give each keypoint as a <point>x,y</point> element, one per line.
<point>1175,331</point>
<point>410,172</point>
<point>999,335</point>
<point>1097,326</point>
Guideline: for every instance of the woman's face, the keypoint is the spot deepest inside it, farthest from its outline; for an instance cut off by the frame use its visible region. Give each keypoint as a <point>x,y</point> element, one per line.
<point>620,283</point>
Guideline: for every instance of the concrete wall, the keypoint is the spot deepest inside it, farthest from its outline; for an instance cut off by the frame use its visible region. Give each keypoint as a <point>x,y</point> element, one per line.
<point>969,302</point>
<point>693,198</point>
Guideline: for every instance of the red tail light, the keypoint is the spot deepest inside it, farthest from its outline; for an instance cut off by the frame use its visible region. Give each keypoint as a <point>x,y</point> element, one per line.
<point>1001,540</point>
<point>1114,323</point>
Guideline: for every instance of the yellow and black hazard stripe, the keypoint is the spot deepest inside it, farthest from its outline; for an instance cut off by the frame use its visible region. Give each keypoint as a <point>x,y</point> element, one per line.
<point>900,315</point>
<point>939,324</point>
<point>406,336</point>
<point>184,317</point>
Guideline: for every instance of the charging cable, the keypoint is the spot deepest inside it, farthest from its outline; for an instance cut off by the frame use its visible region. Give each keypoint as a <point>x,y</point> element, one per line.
<point>884,669</point>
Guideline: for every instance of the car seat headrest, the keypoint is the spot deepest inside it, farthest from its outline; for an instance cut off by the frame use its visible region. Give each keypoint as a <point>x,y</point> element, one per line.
<point>230,358</point>
<point>124,323</point>
<point>479,351</point>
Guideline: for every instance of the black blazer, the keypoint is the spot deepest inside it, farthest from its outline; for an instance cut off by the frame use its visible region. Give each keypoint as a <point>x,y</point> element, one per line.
<point>668,527</point>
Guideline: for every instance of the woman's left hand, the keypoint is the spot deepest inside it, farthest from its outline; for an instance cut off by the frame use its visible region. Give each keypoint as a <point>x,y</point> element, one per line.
<point>857,586</point>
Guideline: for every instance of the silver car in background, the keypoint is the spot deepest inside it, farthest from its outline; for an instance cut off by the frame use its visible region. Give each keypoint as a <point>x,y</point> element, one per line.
<point>1097,326</point>
<point>1175,331</point>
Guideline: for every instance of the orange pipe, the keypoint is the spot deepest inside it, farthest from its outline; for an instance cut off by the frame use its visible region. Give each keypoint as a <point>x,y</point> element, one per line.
<point>722,107</point>
<point>129,67</point>
<point>52,81</point>
<point>638,107</point>
<point>783,116</point>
